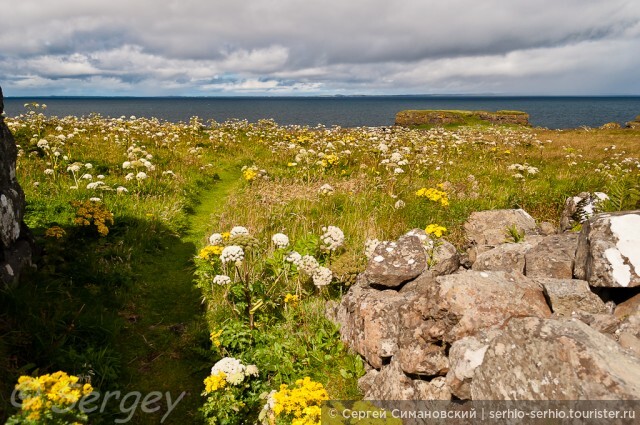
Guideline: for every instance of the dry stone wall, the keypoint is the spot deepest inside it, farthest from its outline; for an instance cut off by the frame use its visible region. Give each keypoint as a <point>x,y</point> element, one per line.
<point>15,239</point>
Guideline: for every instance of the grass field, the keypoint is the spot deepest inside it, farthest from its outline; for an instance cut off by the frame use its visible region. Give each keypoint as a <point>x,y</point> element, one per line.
<point>123,209</point>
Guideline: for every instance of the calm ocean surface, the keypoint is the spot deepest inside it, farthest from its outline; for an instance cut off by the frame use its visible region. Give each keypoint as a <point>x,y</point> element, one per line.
<point>550,112</point>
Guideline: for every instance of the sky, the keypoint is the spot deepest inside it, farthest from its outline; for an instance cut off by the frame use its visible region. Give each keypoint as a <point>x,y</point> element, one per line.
<point>328,47</point>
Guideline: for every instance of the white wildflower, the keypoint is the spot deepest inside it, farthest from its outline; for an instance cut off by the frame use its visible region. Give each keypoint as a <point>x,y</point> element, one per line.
<point>87,177</point>
<point>48,171</point>
<point>74,168</point>
<point>221,279</point>
<point>398,170</point>
<point>216,239</point>
<point>239,230</point>
<point>322,276</point>
<point>370,246</point>
<point>95,199</point>
<point>308,264</point>
<point>43,144</point>
<point>280,240</point>
<point>129,176</point>
<point>121,189</point>
<point>94,185</point>
<point>251,370</point>
<point>294,257</point>
<point>100,177</point>
<point>126,164</point>
<point>232,254</point>
<point>332,238</point>
<point>88,166</point>
<point>326,189</point>
<point>141,175</point>
<point>231,368</point>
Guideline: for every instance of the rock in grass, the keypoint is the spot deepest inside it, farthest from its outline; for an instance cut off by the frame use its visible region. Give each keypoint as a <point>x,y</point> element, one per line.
<point>608,252</point>
<point>541,359</point>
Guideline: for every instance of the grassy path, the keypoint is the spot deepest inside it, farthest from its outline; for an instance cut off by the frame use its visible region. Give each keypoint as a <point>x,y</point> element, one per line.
<point>164,344</point>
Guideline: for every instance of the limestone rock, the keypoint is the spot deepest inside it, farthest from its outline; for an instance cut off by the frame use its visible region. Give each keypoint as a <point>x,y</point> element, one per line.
<point>369,321</point>
<point>506,257</point>
<point>487,229</point>
<point>538,359</point>
<point>465,356</point>
<point>628,308</point>
<point>579,208</point>
<point>394,263</point>
<point>391,383</point>
<point>488,299</point>
<point>16,244</point>
<point>571,295</point>
<point>553,257</point>
<point>608,252</point>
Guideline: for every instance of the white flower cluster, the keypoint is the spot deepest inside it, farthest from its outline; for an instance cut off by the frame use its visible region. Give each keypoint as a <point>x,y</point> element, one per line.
<point>523,167</point>
<point>322,276</point>
<point>239,230</point>
<point>326,189</point>
<point>308,264</point>
<point>234,370</point>
<point>280,240</point>
<point>221,279</point>
<point>332,238</point>
<point>232,254</point>
<point>294,257</point>
<point>216,239</point>
<point>370,246</point>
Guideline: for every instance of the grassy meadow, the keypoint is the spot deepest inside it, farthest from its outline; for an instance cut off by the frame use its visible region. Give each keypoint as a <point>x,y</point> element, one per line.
<point>140,285</point>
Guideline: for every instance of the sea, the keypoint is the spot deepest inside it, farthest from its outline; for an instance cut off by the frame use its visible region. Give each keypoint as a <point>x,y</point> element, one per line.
<point>345,111</point>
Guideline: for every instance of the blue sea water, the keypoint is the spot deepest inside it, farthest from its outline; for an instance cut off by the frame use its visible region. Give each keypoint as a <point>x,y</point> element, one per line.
<point>348,111</point>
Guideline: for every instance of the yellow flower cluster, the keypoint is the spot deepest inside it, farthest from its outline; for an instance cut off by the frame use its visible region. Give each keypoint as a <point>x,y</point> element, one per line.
<point>215,338</point>
<point>303,402</point>
<point>435,230</point>
<point>434,195</point>
<point>213,383</point>
<point>249,174</point>
<point>210,251</point>
<point>291,299</point>
<point>89,212</point>
<point>40,394</point>
<point>331,159</point>
<point>56,232</point>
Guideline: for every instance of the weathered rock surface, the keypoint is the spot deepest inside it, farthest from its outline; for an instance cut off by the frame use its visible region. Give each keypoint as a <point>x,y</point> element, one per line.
<point>568,296</point>
<point>608,252</point>
<point>487,229</point>
<point>369,321</point>
<point>611,126</point>
<point>506,257</point>
<point>579,208</point>
<point>538,359</point>
<point>390,383</point>
<point>15,240</point>
<point>487,299</point>
<point>628,308</point>
<point>394,263</point>
<point>442,117</point>
<point>465,355</point>
<point>442,256</point>
<point>553,257</point>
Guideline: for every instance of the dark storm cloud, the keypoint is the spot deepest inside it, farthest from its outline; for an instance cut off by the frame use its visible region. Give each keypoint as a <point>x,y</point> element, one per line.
<point>199,47</point>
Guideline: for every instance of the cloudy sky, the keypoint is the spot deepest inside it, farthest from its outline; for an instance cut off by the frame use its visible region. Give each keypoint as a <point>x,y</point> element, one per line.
<point>308,47</point>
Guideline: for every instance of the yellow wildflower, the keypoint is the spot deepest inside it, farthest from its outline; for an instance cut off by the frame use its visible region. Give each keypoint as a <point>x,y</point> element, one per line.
<point>291,299</point>
<point>209,252</point>
<point>215,382</point>
<point>435,230</point>
<point>56,232</point>
<point>434,195</point>
<point>215,338</point>
<point>249,174</point>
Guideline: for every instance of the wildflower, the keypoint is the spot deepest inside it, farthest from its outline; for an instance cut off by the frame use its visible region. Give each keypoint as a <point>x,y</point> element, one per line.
<point>126,165</point>
<point>141,175</point>
<point>291,299</point>
<point>88,166</point>
<point>229,366</point>
<point>239,230</point>
<point>398,170</point>
<point>121,189</point>
<point>215,338</point>
<point>322,276</point>
<point>95,199</point>
<point>292,164</point>
<point>332,238</point>
<point>326,189</point>
<point>100,177</point>
<point>303,401</point>
<point>435,230</point>
<point>74,168</point>
<point>214,382</point>
<point>370,246</point>
<point>209,252</point>
<point>94,185</point>
<point>293,257</point>
<point>308,264</point>
<point>249,174</point>
<point>280,240</point>
<point>251,370</point>
<point>56,232</point>
<point>399,204</point>
<point>434,195</point>
<point>129,176</point>
<point>233,254</point>
<point>216,239</point>
<point>43,144</point>
<point>221,279</point>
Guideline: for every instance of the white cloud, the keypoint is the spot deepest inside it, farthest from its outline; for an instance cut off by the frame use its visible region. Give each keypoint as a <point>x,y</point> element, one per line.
<point>361,46</point>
